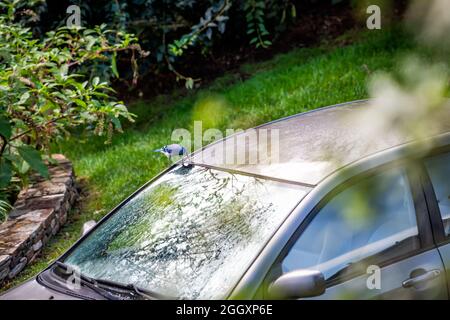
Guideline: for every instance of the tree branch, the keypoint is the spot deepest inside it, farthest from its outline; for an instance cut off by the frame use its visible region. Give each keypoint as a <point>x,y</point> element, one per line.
<point>31,129</point>
<point>99,52</point>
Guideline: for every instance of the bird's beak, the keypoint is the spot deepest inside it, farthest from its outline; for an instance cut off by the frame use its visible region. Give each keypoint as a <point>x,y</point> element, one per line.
<point>157,150</point>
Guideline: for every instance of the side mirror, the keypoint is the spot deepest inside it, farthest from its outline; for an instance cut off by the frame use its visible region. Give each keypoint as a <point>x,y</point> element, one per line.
<point>88,225</point>
<point>298,284</point>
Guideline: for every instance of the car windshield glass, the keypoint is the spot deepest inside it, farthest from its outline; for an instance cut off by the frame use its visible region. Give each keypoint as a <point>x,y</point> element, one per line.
<point>190,234</point>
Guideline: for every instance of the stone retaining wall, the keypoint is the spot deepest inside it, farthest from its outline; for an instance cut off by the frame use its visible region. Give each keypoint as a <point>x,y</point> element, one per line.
<point>39,212</point>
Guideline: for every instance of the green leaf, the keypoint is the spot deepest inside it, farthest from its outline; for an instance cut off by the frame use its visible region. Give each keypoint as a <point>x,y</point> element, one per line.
<point>283,16</point>
<point>23,167</point>
<point>33,157</point>
<point>116,123</point>
<point>95,81</point>
<point>63,70</point>
<point>80,103</point>
<point>5,127</point>
<point>24,97</point>
<point>121,107</point>
<point>5,173</point>
<point>293,11</point>
<point>189,83</point>
<point>114,65</point>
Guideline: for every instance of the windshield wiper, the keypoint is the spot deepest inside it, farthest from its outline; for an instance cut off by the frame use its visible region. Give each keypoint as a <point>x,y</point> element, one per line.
<point>105,288</point>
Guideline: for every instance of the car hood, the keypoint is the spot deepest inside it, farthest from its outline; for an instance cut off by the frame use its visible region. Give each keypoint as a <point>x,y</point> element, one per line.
<point>33,290</point>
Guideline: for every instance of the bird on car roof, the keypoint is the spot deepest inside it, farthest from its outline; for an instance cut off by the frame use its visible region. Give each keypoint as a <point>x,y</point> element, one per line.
<point>172,150</point>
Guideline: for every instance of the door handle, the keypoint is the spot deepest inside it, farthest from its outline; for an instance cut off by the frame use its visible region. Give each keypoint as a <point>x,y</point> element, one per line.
<point>427,276</point>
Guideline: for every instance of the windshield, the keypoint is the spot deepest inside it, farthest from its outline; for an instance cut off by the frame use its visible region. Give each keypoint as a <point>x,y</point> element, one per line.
<point>191,234</point>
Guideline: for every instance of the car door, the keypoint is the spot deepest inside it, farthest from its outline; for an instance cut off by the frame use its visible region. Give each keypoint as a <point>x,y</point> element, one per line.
<point>371,239</point>
<point>437,188</point>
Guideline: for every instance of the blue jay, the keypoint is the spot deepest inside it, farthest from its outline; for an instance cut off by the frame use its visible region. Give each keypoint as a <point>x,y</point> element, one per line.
<point>173,150</point>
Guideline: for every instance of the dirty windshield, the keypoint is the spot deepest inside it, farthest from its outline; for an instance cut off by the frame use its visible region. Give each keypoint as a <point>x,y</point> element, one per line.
<point>191,234</point>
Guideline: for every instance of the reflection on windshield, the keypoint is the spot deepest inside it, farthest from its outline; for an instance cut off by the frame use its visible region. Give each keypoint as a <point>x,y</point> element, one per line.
<point>191,234</point>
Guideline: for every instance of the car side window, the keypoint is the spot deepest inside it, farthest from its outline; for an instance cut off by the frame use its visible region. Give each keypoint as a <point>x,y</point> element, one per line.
<point>438,168</point>
<point>373,217</point>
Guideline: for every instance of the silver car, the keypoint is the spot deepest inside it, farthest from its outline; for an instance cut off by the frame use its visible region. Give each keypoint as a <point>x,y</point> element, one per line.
<point>326,213</point>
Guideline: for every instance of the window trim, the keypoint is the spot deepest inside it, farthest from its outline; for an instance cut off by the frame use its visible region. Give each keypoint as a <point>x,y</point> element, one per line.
<point>421,211</point>
<point>430,196</point>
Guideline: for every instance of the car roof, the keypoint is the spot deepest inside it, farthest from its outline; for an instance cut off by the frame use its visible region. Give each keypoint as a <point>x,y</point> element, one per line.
<point>312,145</point>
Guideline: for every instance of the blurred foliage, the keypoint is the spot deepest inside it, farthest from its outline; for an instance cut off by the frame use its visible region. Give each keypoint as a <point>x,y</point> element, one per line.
<point>46,88</point>
<point>414,99</point>
<point>211,110</point>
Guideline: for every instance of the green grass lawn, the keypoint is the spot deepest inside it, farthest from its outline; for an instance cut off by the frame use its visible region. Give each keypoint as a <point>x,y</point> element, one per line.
<point>289,83</point>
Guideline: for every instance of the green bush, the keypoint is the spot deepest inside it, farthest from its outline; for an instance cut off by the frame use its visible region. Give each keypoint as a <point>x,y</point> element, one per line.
<point>45,90</point>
